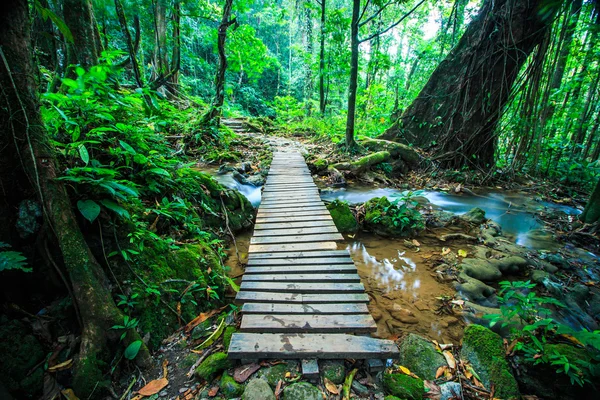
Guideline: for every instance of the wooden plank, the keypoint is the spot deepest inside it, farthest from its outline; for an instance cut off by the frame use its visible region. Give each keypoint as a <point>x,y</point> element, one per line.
<point>262,214</point>
<point>278,218</point>
<point>309,323</point>
<point>289,180</point>
<point>303,255</point>
<point>269,297</point>
<point>278,248</point>
<point>282,189</point>
<point>334,308</point>
<point>318,237</point>
<point>290,203</point>
<point>300,269</point>
<point>309,345</point>
<point>316,207</point>
<point>326,277</point>
<point>295,231</point>
<point>293,225</point>
<point>300,287</point>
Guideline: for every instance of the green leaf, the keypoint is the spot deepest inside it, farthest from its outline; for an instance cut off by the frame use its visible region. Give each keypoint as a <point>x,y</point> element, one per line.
<point>83,153</point>
<point>132,350</point>
<point>89,209</point>
<point>160,171</point>
<point>116,208</point>
<point>127,147</point>
<point>13,260</point>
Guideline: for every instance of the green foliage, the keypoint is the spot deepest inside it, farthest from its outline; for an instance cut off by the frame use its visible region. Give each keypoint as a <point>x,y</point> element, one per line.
<point>532,326</point>
<point>133,349</point>
<point>399,217</point>
<point>12,259</point>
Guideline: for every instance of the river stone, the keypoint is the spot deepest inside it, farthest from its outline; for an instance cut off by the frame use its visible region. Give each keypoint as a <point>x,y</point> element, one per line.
<point>485,351</point>
<point>450,390</point>
<point>333,370</point>
<point>403,386</point>
<point>302,391</point>
<point>360,389</point>
<point>342,216</point>
<point>229,387</point>
<point>275,373</point>
<point>403,315</point>
<point>473,289</point>
<point>474,216</point>
<point>420,356</point>
<point>256,180</point>
<point>538,276</point>
<point>258,389</point>
<point>481,270</point>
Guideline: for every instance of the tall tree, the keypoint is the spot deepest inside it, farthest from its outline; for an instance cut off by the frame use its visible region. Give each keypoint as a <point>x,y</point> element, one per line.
<point>28,170</point>
<point>322,102</point>
<point>79,17</point>
<point>359,20</point>
<point>458,109</point>
<point>214,112</point>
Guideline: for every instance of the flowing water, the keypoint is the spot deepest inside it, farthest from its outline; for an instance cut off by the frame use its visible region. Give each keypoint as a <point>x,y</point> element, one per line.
<point>251,192</point>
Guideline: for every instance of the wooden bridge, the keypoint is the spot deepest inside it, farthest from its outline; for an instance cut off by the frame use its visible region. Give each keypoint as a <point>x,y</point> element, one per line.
<point>302,297</point>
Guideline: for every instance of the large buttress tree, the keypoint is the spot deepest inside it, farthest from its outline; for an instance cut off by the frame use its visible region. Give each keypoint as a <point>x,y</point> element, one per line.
<point>28,171</point>
<point>457,111</point>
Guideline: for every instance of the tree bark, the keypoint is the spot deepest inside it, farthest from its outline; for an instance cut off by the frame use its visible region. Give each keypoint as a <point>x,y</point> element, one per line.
<point>458,109</point>
<point>591,213</point>
<point>131,48</point>
<point>352,87</point>
<point>160,38</point>
<point>79,17</point>
<point>29,168</point>
<point>322,103</point>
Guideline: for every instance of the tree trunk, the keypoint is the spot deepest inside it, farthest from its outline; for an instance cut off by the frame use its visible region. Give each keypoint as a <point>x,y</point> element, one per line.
<point>591,213</point>
<point>308,45</point>
<point>28,168</point>
<point>352,87</point>
<point>160,38</point>
<point>131,48</point>
<point>458,109</point>
<point>322,103</point>
<point>176,58</point>
<point>79,17</point>
<point>214,113</point>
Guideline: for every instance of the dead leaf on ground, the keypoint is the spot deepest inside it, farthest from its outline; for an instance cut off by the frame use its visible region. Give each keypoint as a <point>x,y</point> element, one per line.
<point>450,359</point>
<point>407,371</point>
<point>331,387</point>
<point>440,371</point>
<point>416,243</point>
<point>62,366</point>
<point>213,391</point>
<point>434,392</point>
<point>446,250</point>
<point>278,389</point>
<point>164,368</point>
<point>69,394</point>
<point>153,387</point>
<point>571,339</point>
<point>201,318</point>
<point>242,373</point>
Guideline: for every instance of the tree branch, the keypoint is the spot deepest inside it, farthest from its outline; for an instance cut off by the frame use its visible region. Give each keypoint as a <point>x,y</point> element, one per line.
<point>391,26</point>
<point>379,11</point>
<point>362,14</point>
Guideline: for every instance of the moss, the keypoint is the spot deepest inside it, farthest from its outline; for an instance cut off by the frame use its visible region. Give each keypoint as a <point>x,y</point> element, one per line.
<point>210,184</point>
<point>403,386</point>
<point>321,164</point>
<point>89,378</point>
<point>419,355</point>
<point>302,391</point>
<point>371,159</point>
<point>188,361</point>
<point>158,322</point>
<point>212,365</point>
<point>485,351</point>
<point>474,216</point>
<point>229,331</point>
<point>277,372</point>
<point>404,152</point>
<point>229,387</point>
<point>572,353</point>
<point>335,371</point>
<point>393,220</point>
<point>342,216</point>
<point>391,398</point>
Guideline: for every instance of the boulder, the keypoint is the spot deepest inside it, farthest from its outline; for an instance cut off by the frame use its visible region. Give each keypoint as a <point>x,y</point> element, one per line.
<point>333,370</point>
<point>275,373</point>
<point>420,356</point>
<point>258,389</point>
<point>485,351</point>
<point>302,391</point>
<point>482,270</point>
<point>474,216</point>
<point>403,386</point>
<point>450,391</point>
<point>212,365</point>
<point>473,289</point>
<point>342,216</point>
<point>229,387</point>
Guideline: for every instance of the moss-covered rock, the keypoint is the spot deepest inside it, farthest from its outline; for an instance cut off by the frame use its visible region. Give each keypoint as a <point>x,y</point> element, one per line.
<point>302,391</point>
<point>258,389</point>
<point>474,216</point>
<point>397,150</point>
<point>212,365</point>
<point>392,220</point>
<point>403,386</point>
<point>275,373</point>
<point>229,387</point>
<point>342,216</point>
<point>229,331</point>
<point>485,351</point>
<point>363,163</point>
<point>21,351</point>
<point>193,261</point>
<point>390,397</point>
<point>333,370</point>
<point>419,355</point>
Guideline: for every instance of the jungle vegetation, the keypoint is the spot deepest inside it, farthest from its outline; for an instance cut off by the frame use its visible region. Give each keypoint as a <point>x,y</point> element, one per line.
<point>96,199</point>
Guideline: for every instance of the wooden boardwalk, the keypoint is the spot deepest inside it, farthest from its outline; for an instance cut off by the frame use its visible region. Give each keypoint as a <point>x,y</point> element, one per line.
<point>302,298</point>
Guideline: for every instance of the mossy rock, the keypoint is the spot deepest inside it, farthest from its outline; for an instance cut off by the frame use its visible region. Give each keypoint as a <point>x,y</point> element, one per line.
<point>21,351</point>
<point>302,391</point>
<point>474,216</point>
<point>342,216</point>
<point>391,220</point>
<point>229,387</point>
<point>258,389</point>
<point>418,355</point>
<point>485,351</point>
<point>391,398</point>
<point>403,386</point>
<point>277,372</point>
<point>192,262</point>
<point>212,365</point>
<point>408,154</point>
<point>158,322</point>
<point>334,370</point>
<point>229,331</point>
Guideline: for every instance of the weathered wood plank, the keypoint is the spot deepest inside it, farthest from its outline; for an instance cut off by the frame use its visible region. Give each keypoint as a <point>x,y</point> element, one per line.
<point>278,248</point>
<point>303,255</point>
<point>293,225</point>
<point>291,203</point>
<point>265,214</point>
<point>325,277</point>
<point>308,345</point>
<point>299,269</point>
<point>295,231</point>
<point>306,238</point>
<point>334,308</point>
<point>300,287</point>
<point>278,218</point>
<point>310,323</point>
<point>317,209</point>
<point>269,297</point>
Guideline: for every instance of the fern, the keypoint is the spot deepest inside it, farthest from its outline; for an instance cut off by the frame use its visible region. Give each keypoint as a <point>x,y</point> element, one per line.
<point>12,259</point>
